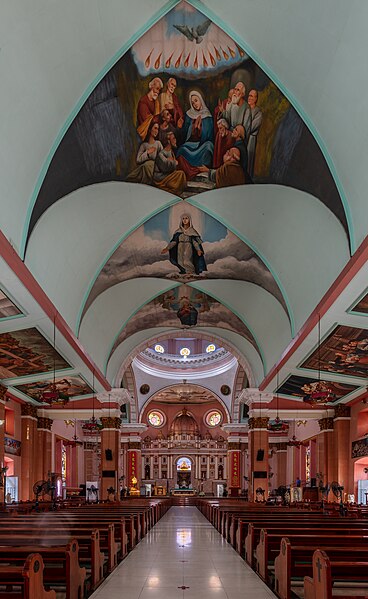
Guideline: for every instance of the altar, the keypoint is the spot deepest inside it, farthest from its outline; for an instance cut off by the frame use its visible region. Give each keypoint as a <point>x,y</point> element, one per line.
<point>184,492</point>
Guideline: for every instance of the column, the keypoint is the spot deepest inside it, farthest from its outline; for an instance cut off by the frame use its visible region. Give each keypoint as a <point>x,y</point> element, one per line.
<point>28,462</point>
<point>342,445</point>
<point>43,449</point>
<point>258,454</point>
<point>281,457</point>
<point>110,456</point>
<point>326,451</point>
<point>134,461</point>
<point>3,391</point>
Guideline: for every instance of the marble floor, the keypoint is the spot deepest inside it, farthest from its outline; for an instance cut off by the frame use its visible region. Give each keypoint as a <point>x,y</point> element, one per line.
<point>183,557</point>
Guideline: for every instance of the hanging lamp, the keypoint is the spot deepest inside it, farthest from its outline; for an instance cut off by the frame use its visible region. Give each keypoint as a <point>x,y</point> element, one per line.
<point>318,392</point>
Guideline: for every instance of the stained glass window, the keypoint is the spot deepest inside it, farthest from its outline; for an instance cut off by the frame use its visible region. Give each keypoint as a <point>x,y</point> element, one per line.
<point>210,348</point>
<point>156,418</point>
<point>159,349</point>
<point>213,418</point>
<point>185,351</point>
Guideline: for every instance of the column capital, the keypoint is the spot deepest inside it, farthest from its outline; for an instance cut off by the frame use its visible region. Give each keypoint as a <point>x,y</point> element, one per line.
<point>254,396</point>
<point>134,445</point>
<point>260,422</point>
<point>326,424</point>
<point>44,423</point>
<point>28,409</point>
<point>3,391</point>
<point>342,411</point>
<point>281,447</point>
<point>233,445</point>
<point>111,422</point>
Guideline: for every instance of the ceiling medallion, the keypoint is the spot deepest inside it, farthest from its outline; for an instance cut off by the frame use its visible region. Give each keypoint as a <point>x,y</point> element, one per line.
<point>225,390</point>
<point>144,389</point>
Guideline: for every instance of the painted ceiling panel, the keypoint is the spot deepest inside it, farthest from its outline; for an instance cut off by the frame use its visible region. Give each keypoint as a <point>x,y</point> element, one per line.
<point>260,311</point>
<point>143,253</point>
<point>112,310</point>
<point>219,135</point>
<point>274,219</point>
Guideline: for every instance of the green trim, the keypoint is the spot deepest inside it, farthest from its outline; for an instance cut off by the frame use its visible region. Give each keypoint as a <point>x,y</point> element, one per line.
<point>141,31</point>
<point>294,102</point>
<point>3,318</point>
<point>332,376</point>
<point>158,15</point>
<point>142,221</point>
<point>290,313</point>
<point>131,316</point>
<point>259,347</point>
<point>351,310</point>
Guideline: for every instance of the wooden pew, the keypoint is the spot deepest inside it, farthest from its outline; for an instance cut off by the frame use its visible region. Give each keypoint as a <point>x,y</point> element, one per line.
<point>296,561</point>
<point>61,566</point>
<point>320,586</point>
<point>28,577</point>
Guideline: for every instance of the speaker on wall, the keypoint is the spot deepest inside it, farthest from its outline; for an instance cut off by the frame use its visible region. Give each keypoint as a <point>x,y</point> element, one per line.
<point>259,474</point>
<point>108,455</point>
<point>260,455</point>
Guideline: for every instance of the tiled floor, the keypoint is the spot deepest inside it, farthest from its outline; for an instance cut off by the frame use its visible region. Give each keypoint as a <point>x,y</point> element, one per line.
<point>183,550</point>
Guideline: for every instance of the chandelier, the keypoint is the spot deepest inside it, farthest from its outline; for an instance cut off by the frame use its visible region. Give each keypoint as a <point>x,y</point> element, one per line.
<point>92,425</point>
<point>277,425</point>
<point>294,442</point>
<point>318,392</point>
<point>52,395</point>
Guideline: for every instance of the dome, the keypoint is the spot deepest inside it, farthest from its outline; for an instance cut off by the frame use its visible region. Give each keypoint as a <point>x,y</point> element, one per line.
<point>184,423</point>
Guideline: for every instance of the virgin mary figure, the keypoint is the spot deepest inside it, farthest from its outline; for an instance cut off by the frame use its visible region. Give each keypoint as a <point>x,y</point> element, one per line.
<point>185,248</point>
<point>197,150</point>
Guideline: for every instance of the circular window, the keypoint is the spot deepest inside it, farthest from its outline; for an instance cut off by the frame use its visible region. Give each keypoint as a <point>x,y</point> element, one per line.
<point>214,418</point>
<point>159,349</point>
<point>185,351</point>
<point>210,348</point>
<point>156,418</point>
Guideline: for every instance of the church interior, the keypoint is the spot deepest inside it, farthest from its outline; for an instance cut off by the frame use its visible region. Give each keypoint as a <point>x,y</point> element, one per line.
<point>183,299</point>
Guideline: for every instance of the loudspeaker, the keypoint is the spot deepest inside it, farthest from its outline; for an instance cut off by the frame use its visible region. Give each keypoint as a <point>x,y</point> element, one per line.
<point>259,474</point>
<point>313,482</point>
<point>108,455</point>
<point>260,455</point>
<point>108,473</point>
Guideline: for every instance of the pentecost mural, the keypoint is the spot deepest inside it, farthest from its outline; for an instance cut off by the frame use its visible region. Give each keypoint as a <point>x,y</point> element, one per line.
<point>186,307</point>
<point>362,305</point>
<point>186,110</point>
<point>184,244</point>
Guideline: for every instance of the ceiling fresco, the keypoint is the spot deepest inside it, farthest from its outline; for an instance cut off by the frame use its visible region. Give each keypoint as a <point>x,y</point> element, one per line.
<point>362,305</point>
<point>293,386</point>
<point>70,386</point>
<point>184,307</point>
<point>186,110</point>
<point>27,352</point>
<point>198,248</point>
<point>345,351</point>
<point>7,308</point>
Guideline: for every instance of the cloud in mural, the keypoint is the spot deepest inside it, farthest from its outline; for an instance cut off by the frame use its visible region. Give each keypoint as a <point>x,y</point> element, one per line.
<point>226,256</point>
<point>184,307</point>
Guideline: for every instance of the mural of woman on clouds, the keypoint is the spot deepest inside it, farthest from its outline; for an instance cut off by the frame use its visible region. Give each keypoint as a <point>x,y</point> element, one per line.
<point>186,250</point>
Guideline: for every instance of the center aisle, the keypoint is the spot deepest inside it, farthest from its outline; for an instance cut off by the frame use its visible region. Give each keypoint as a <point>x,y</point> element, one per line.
<point>183,550</point>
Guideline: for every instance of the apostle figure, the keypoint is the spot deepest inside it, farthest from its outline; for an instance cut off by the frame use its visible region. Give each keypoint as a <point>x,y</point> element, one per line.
<point>238,135</point>
<point>166,176</point>
<point>148,107</point>
<point>198,134</point>
<point>230,173</point>
<point>223,142</point>
<point>146,156</point>
<point>256,122</point>
<point>169,100</point>
<point>166,126</point>
<point>185,249</point>
<point>238,112</point>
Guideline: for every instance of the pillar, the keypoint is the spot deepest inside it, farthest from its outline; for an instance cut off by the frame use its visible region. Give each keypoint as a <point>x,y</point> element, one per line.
<point>3,391</point>
<point>110,455</point>
<point>342,445</point>
<point>43,449</point>
<point>28,463</point>
<point>134,467</point>
<point>281,457</point>
<point>258,454</point>
<point>326,451</point>
<point>234,468</point>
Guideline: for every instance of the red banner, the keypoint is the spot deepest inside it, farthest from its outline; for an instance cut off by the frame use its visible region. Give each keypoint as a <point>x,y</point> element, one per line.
<point>234,469</point>
<point>133,466</point>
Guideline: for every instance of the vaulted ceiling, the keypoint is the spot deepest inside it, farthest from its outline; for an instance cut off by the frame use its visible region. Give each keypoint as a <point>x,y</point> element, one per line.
<point>286,255</point>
